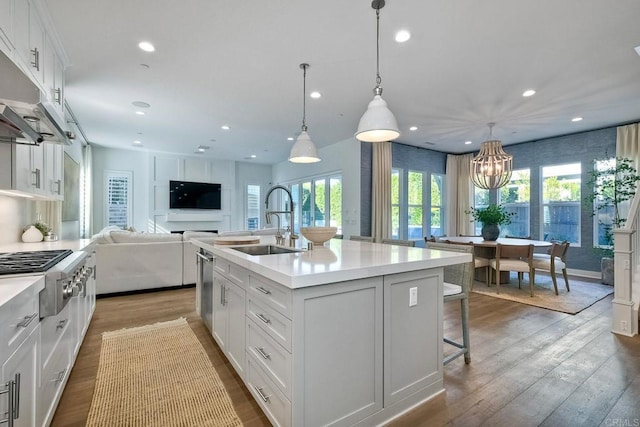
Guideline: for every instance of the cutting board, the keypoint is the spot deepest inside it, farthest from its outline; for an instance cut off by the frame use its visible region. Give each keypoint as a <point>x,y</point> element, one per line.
<point>237,240</point>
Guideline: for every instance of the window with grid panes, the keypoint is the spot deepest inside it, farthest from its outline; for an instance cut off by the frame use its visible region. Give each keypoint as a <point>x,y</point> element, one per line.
<point>118,198</point>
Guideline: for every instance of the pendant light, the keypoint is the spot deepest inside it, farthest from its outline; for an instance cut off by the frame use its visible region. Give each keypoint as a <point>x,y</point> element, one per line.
<point>378,123</point>
<point>304,150</point>
<point>492,167</point>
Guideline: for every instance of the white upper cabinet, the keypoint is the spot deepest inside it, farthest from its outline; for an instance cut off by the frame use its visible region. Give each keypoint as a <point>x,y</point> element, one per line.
<point>36,46</point>
<point>53,169</point>
<point>6,25</point>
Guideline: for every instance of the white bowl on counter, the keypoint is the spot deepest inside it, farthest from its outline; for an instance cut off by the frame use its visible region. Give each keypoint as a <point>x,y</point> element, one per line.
<point>318,235</point>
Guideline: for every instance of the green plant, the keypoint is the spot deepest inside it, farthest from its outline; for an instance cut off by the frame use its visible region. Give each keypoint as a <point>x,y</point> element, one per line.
<point>491,215</point>
<point>43,227</point>
<point>613,182</point>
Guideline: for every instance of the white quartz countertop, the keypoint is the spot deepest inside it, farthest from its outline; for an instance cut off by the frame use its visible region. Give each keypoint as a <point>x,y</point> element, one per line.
<point>74,245</point>
<point>13,286</point>
<point>338,260</point>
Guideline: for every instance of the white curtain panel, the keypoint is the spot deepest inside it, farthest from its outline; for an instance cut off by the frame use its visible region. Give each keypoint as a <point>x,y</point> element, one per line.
<point>381,192</point>
<point>459,194</point>
<point>628,143</point>
<point>86,197</point>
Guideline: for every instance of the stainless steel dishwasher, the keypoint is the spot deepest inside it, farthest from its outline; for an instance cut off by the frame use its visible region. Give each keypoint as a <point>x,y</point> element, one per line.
<point>205,286</point>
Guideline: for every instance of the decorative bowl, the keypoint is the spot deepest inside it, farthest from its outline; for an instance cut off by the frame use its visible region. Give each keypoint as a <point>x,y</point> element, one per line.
<point>318,235</point>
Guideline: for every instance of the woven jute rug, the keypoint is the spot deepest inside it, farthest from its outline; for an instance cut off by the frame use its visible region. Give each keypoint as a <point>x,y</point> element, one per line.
<point>582,295</point>
<point>158,375</point>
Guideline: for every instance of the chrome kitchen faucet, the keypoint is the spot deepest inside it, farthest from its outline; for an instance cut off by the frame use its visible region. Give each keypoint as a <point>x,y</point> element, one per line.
<point>268,213</point>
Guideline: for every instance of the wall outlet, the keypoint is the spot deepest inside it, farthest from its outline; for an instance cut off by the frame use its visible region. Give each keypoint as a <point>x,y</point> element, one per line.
<point>623,325</point>
<point>413,296</point>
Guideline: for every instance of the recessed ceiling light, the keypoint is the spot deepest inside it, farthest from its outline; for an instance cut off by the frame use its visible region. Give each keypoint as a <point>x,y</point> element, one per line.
<point>225,127</point>
<point>576,119</point>
<point>145,66</point>
<point>253,156</point>
<point>528,92</point>
<point>402,36</point>
<point>468,142</point>
<point>413,128</point>
<point>200,149</point>
<point>290,139</point>
<point>137,142</point>
<point>140,113</point>
<point>146,46</point>
<point>315,95</point>
<point>203,147</point>
<point>637,48</point>
<point>141,104</point>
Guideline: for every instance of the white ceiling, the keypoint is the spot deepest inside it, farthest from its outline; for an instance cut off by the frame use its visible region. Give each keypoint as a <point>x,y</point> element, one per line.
<point>237,63</point>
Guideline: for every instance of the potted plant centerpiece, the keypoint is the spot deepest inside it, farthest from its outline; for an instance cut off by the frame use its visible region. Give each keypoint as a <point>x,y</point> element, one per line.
<point>491,218</point>
<point>613,182</point>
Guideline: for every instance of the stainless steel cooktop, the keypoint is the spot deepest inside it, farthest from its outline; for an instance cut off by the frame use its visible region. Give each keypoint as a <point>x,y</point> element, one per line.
<point>32,261</point>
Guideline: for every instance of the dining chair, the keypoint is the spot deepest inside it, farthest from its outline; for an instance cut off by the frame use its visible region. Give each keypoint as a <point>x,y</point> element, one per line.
<point>478,260</point>
<point>555,259</point>
<point>398,242</point>
<point>514,258</point>
<point>470,235</point>
<point>518,237</point>
<point>458,279</point>
<point>361,238</point>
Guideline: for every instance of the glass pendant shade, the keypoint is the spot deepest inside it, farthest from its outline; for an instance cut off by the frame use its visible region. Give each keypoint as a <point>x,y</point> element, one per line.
<point>492,167</point>
<point>378,123</point>
<point>304,150</point>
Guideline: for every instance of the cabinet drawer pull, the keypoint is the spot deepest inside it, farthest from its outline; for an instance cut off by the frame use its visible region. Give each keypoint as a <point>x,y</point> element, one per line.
<point>61,324</point>
<point>262,353</point>
<point>36,58</point>
<point>59,187</point>
<point>36,174</point>
<point>57,96</point>
<point>13,400</point>
<point>27,320</point>
<point>264,398</point>
<point>263,318</point>
<point>263,290</point>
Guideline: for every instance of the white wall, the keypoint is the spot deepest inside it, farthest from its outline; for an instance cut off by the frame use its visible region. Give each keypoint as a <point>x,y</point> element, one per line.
<point>15,214</point>
<point>71,229</point>
<point>342,157</point>
<point>135,162</point>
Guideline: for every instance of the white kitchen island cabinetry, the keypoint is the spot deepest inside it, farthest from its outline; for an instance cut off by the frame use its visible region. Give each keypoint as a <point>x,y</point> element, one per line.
<point>330,335</point>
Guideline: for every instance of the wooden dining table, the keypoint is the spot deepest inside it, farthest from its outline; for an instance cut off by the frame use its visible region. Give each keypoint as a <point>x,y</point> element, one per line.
<point>488,248</point>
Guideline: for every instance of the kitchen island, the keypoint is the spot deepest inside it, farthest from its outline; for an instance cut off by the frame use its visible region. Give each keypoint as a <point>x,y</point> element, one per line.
<point>345,334</point>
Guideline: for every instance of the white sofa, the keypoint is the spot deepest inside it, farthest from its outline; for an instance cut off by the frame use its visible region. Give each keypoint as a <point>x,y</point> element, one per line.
<point>132,261</point>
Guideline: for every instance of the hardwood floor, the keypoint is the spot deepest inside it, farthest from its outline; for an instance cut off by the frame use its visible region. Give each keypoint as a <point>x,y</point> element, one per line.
<point>529,366</point>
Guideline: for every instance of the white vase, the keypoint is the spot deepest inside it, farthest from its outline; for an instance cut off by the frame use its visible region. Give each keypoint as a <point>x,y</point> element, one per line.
<point>32,235</point>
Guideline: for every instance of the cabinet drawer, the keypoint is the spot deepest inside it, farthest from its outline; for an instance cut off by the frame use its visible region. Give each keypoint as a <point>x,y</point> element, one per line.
<point>18,318</point>
<point>54,373</point>
<point>53,327</point>
<point>273,294</point>
<point>274,360</point>
<point>273,323</point>
<point>238,275</point>
<point>221,266</point>
<point>274,404</point>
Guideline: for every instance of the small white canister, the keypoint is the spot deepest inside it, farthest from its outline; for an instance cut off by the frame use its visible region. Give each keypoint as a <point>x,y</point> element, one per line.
<point>32,235</point>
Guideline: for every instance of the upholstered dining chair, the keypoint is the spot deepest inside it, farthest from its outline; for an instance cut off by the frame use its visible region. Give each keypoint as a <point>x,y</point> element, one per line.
<point>433,238</point>
<point>555,260</point>
<point>457,282</point>
<point>514,258</point>
<point>478,260</point>
<point>362,238</point>
<point>398,242</point>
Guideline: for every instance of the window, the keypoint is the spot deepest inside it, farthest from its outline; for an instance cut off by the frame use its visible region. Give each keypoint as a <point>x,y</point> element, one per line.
<point>515,196</point>
<point>561,202</point>
<point>480,200</point>
<point>603,219</point>
<point>253,207</point>
<point>410,207</point>
<point>437,211</point>
<point>395,203</point>
<point>118,198</point>
<point>318,204</point>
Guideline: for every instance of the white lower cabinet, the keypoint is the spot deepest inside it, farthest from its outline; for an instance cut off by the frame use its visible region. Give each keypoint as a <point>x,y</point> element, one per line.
<point>20,383</point>
<point>340,354</point>
<point>229,320</point>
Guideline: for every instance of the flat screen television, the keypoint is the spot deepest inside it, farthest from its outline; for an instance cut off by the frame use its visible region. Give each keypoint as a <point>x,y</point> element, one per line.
<point>194,195</point>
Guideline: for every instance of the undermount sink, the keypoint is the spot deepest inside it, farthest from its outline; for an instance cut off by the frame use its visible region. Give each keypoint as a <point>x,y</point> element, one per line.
<point>265,250</point>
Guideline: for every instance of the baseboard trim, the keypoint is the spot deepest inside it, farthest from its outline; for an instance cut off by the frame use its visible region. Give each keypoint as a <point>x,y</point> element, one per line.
<point>144,291</point>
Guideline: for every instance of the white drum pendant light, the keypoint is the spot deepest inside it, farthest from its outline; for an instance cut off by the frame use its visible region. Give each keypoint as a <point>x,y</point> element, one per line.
<point>304,150</point>
<point>378,123</point>
<point>492,167</point>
